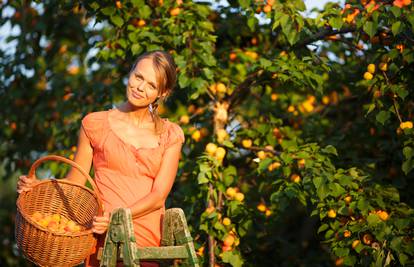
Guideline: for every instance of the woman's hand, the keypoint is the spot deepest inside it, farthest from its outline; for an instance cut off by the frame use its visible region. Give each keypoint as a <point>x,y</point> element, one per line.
<point>100,223</point>
<point>25,183</point>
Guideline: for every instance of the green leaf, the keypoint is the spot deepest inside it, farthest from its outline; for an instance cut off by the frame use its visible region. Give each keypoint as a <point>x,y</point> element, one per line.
<point>330,150</point>
<point>382,116</point>
<point>336,22</point>
<point>108,11</point>
<point>264,164</point>
<point>228,143</point>
<point>138,3</point>
<point>336,189</point>
<point>293,37</point>
<point>230,170</point>
<point>400,91</point>
<point>244,3</point>
<point>183,81</point>
<point>396,11</point>
<point>265,63</point>
<point>323,227</point>
<point>408,152</point>
<point>403,258</point>
<point>410,19</point>
<point>362,204</point>
<point>407,166</point>
<point>373,220</point>
<point>232,258</point>
<point>341,252</point>
<point>117,20</point>
<point>251,23</point>
<point>396,27</point>
<point>136,49</point>
<point>208,73</point>
<point>317,181</point>
<point>144,12</point>
<point>370,28</point>
<point>322,191</point>
<point>202,179</point>
<point>371,108</point>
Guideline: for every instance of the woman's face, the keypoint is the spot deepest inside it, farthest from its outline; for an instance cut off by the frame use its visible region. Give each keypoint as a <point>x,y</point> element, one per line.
<point>142,86</point>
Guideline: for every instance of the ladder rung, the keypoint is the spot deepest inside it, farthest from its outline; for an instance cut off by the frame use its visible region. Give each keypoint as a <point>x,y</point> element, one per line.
<point>168,252</point>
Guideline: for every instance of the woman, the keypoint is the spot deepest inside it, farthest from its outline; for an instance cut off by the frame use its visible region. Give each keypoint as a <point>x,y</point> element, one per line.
<point>135,153</point>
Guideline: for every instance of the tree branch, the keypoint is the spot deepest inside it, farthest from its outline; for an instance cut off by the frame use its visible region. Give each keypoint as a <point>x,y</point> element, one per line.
<point>322,34</point>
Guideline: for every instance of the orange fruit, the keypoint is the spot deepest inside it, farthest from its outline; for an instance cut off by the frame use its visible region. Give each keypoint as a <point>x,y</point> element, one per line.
<point>220,153</point>
<point>368,76</point>
<point>383,66</point>
<point>246,143</point>
<point>184,119</point>
<point>383,215</point>
<point>226,221</point>
<point>347,233</point>
<point>239,196</point>
<point>267,8</point>
<point>355,243</point>
<point>231,192</point>
<point>229,240</point>
<point>296,179</point>
<point>211,148</point>
<point>175,11</point>
<point>367,239</point>
<point>261,207</point>
<point>371,68</point>
<point>331,213</point>
<point>406,125</point>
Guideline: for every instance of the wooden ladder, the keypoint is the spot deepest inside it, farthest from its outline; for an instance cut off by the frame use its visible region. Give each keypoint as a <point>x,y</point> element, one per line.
<point>176,242</point>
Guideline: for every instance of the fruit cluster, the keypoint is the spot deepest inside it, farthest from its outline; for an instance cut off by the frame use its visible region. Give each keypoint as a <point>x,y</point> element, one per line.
<point>56,223</point>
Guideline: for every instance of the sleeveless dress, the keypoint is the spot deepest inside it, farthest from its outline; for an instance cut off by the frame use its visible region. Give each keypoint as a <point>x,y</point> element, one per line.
<point>125,174</point>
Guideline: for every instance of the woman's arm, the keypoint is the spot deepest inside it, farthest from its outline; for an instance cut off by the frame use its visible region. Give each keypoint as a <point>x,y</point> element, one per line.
<point>162,185</point>
<point>83,158</point>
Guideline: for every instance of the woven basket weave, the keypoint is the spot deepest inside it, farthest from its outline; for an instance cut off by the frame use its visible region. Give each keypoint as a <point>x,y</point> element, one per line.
<point>75,202</point>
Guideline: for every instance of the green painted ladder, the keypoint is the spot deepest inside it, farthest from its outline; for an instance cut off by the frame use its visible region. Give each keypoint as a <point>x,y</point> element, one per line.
<point>176,242</point>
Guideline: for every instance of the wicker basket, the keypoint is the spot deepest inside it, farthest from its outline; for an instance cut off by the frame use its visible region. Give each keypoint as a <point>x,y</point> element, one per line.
<point>75,202</point>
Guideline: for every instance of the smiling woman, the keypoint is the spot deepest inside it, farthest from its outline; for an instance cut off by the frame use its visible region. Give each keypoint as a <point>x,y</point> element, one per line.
<point>134,152</point>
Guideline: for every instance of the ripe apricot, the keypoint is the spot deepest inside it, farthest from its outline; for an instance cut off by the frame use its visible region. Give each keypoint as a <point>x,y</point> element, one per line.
<point>231,192</point>
<point>175,11</point>
<point>247,143</point>
<point>220,153</point>
<point>211,148</point>
<point>226,221</point>
<point>368,76</point>
<point>239,196</point>
<point>229,240</point>
<point>331,213</point>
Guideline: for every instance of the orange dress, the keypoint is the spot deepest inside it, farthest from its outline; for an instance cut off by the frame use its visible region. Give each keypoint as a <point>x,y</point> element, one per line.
<point>124,174</point>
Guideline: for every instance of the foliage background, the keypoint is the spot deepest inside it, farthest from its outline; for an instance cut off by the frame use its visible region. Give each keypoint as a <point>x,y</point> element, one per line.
<point>326,178</point>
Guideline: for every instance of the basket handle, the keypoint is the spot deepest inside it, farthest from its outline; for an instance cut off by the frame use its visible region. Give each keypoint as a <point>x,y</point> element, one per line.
<point>32,174</point>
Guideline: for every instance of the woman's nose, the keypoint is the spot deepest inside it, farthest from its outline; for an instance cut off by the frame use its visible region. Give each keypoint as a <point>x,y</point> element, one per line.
<point>141,86</point>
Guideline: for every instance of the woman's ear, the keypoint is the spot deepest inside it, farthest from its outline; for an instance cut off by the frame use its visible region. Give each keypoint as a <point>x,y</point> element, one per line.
<point>164,94</point>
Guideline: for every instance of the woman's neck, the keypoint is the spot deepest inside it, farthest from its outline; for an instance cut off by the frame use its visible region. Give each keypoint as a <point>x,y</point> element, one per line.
<point>139,116</point>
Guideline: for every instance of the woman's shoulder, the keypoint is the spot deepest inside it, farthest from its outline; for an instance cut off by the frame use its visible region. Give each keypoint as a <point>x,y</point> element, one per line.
<point>94,116</point>
<point>173,132</point>
<point>94,125</point>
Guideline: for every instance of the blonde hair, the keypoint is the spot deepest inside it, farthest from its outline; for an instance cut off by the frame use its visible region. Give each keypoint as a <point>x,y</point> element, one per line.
<point>166,78</point>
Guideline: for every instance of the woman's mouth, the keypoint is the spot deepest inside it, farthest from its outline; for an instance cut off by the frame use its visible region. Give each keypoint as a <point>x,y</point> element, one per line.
<point>136,95</point>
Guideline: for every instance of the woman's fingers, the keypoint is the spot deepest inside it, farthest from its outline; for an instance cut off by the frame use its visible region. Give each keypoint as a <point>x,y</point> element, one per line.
<point>101,219</point>
<point>24,184</point>
<point>99,227</point>
<point>100,223</point>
